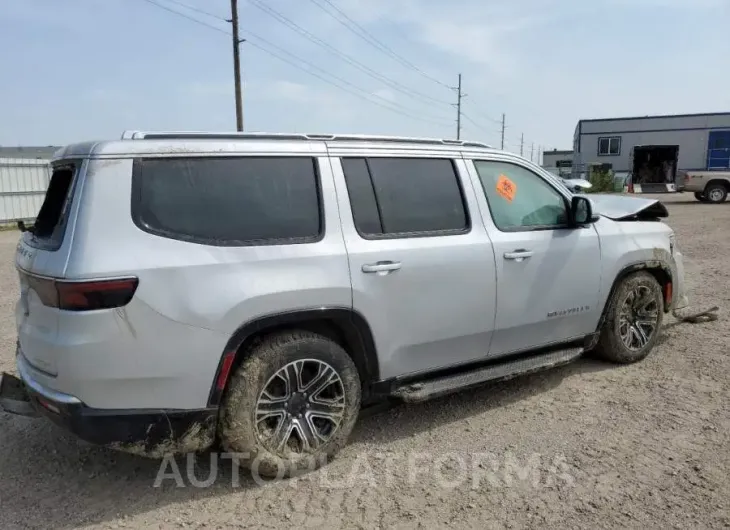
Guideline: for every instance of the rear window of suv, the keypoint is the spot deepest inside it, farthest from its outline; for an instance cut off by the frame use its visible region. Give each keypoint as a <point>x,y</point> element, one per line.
<point>229,201</point>
<point>50,224</point>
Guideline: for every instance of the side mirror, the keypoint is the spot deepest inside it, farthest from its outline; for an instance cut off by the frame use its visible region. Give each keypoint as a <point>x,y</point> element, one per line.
<point>581,210</point>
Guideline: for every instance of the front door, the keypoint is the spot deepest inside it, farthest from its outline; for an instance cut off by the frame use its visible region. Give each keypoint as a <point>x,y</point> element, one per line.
<point>548,273</point>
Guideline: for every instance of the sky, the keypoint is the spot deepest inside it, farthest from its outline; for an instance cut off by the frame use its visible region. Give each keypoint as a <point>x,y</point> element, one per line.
<point>76,70</point>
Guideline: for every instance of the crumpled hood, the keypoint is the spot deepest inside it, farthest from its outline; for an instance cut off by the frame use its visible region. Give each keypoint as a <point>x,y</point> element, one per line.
<point>621,207</point>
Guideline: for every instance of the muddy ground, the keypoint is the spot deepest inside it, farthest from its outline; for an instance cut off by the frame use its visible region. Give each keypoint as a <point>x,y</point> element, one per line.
<point>589,445</point>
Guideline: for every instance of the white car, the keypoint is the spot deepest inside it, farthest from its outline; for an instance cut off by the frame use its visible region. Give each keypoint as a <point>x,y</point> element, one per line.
<point>576,185</point>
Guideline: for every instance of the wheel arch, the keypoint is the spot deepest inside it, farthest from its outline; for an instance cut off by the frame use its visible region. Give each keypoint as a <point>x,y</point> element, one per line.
<point>723,182</point>
<point>660,270</point>
<point>345,326</point>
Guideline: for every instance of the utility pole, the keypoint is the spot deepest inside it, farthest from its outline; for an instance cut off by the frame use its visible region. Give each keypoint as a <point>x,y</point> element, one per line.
<point>459,95</point>
<point>237,65</point>
<point>539,154</point>
<point>503,131</point>
<point>532,152</point>
<point>522,143</point>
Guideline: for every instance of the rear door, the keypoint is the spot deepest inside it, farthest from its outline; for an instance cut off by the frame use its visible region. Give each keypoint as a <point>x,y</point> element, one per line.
<point>42,253</point>
<point>421,263</point>
<point>548,274</point>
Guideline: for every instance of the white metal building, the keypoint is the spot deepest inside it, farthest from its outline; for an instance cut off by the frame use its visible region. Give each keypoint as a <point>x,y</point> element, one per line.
<point>558,162</point>
<point>31,152</point>
<point>23,183</point>
<point>653,148</point>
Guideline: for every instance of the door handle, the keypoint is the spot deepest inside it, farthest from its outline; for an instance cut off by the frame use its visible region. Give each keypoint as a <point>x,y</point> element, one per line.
<point>518,255</point>
<point>381,266</point>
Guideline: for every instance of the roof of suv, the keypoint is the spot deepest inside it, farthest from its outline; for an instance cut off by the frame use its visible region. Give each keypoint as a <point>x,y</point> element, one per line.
<point>140,142</point>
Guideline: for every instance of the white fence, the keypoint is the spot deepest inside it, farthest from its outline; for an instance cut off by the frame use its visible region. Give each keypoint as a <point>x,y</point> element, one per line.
<point>23,184</point>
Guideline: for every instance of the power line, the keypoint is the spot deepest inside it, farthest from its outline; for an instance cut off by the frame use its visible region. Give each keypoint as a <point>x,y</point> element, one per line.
<point>196,9</point>
<point>392,109</point>
<point>477,112</point>
<point>364,34</point>
<point>477,125</point>
<point>279,49</point>
<point>367,97</point>
<point>349,59</point>
<point>355,90</point>
<point>192,19</point>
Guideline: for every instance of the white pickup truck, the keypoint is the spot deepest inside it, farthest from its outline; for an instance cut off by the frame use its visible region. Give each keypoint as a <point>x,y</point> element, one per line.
<point>708,186</point>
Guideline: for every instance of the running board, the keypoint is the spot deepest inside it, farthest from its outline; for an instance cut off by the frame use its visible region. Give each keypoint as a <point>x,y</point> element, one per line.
<point>426,390</point>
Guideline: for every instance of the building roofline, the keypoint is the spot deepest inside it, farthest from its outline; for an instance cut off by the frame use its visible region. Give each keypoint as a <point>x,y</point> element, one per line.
<point>658,116</point>
<point>558,152</point>
<point>26,147</point>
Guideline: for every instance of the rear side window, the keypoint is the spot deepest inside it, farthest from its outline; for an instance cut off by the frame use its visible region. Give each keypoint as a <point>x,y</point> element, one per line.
<point>229,201</point>
<point>405,196</point>
<point>50,223</point>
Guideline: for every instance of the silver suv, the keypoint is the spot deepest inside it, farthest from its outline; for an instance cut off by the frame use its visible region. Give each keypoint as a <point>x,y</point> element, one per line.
<point>179,289</point>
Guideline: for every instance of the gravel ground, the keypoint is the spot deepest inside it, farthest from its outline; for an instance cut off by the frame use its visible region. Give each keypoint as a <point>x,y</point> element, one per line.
<point>589,445</point>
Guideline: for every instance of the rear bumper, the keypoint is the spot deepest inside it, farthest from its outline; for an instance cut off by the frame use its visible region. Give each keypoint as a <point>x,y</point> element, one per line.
<point>152,433</point>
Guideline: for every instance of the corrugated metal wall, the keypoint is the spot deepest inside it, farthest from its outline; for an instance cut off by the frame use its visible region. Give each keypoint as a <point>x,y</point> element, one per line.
<point>23,184</point>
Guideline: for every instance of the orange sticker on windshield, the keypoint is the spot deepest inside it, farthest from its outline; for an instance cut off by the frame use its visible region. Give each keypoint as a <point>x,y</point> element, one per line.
<point>506,188</point>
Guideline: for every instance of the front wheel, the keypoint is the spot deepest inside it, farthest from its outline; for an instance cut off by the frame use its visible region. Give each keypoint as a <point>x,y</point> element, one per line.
<point>291,405</point>
<point>633,320</point>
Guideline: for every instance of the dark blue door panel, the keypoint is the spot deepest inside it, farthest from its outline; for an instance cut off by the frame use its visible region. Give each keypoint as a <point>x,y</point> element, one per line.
<point>718,150</point>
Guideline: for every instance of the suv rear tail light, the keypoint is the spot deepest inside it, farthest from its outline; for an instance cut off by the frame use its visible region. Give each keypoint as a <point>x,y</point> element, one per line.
<point>83,295</point>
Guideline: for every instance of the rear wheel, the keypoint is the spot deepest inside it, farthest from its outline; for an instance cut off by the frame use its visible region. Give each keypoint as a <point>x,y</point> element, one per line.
<point>716,193</point>
<point>700,196</point>
<point>633,320</point>
<point>291,405</point>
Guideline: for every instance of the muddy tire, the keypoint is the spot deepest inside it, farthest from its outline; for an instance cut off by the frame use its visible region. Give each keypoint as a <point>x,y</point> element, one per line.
<point>715,193</point>
<point>291,405</point>
<point>633,320</point>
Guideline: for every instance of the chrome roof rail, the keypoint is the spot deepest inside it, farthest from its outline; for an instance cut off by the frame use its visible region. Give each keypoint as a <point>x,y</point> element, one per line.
<point>199,135</point>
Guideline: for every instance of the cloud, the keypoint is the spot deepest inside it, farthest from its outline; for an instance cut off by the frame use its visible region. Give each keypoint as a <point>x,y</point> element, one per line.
<point>208,88</point>
<point>106,95</point>
<point>671,4</point>
<point>292,91</point>
<point>483,33</point>
<point>314,97</point>
<point>385,93</point>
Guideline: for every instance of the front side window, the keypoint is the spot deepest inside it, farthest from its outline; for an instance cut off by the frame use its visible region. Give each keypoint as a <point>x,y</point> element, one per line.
<point>520,199</point>
<point>609,146</point>
<point>228,201</point>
